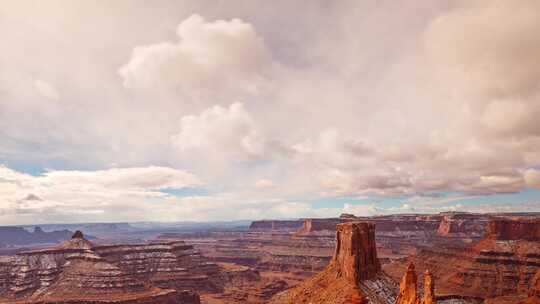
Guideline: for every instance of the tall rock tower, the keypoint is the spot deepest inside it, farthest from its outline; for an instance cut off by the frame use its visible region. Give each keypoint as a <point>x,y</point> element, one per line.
<point>408,290</point>
<point>353,276</point>
<point>429,289</point>
<point>355,257</point>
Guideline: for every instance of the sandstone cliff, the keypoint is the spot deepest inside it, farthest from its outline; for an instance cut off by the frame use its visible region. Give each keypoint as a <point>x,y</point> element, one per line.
<point>503,263</point>
<point>353,276</point>
<point>313,225</point>
<point>462,224</point>
<point>510,229</point>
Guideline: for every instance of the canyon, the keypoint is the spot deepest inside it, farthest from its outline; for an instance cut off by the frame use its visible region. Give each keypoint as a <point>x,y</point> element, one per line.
<point>473,258</point>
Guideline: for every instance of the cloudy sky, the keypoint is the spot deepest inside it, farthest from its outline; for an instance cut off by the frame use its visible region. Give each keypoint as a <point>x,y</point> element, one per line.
<point>135,110</point>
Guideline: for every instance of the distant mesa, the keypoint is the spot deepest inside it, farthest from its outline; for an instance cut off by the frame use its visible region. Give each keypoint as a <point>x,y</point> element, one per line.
<point>514,229</point>
<point>18,236</point>
<point>276,225</point>
<point>462,224</point>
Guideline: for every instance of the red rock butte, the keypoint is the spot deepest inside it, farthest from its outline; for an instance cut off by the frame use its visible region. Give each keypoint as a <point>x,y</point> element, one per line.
<point>354,274</point>
<point>355,257</point>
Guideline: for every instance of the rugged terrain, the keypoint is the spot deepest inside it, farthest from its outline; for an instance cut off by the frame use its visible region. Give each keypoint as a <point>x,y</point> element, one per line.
<point>76,271</point>
<point>499,268</point>
<point>353,276</point>
<point>472,257</point>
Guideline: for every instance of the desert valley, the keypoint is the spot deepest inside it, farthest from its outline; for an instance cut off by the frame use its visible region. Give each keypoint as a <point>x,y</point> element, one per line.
<point>449,257</point>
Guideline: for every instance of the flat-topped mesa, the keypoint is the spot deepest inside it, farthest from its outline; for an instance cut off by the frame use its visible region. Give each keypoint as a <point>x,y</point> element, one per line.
<point>355,257</point>
<point>408,290</point>
<point>461,223</point>
<point>514,229</point>
<point>276,225</point>
<point>312,225</point>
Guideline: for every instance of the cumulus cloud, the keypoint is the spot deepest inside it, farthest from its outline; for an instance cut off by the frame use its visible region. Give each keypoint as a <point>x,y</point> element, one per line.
<point>231,132</point>
<point>216,55</point>
<point>532,177</point>
<point>46,89</point>
<point>264,183</point>
<point>447,101</point>
<point>491,55</point>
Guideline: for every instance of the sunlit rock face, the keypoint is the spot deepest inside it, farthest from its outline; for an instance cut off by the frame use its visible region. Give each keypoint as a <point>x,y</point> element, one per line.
<point>76,271</point>
<point>353,276</point>
<point>356,254</point>
<point>408,290</point>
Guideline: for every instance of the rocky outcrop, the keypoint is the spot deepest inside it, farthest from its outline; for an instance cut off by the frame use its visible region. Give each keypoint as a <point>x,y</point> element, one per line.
<point>166,265</point>
<point>355,257</point>
<point>534,291</point>
<point>502,264</point>
<point>276,225</point>
<point>76,271</point>
<point>462,224</point>
<point>407,287</point>
<point>514,229</point>
<point>408,293</point>
<point>353,276</point>
<point>313,225</point>
<point>429,289</point>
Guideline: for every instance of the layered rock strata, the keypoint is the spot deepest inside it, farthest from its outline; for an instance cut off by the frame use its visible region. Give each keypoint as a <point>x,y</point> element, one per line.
<point>353,276</point>
<point>510,229</point>
<point>313,225</point>
<point>461,224</point>
<point>78,272</point>
<point>502,264</point>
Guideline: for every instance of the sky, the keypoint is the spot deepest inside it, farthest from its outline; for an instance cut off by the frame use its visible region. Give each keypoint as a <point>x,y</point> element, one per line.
<point>134,110</point>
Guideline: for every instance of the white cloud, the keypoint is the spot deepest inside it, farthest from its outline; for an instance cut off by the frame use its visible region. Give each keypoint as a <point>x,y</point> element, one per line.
<point>532,177</point>
<point>208,56</point>
<point>228,132</point>
<point>64,195</point>
<point>46,89</point>
<point>264,183</point>
<point>362,210</point>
